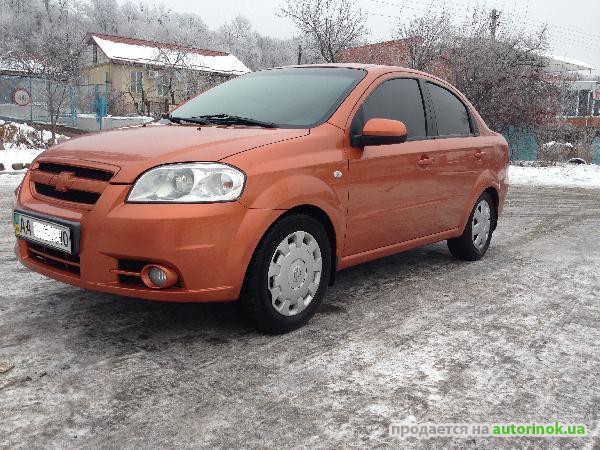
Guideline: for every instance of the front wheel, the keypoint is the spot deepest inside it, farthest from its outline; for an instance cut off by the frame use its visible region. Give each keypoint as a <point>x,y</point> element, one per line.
<point>288,275</point>
<point>475,240</point>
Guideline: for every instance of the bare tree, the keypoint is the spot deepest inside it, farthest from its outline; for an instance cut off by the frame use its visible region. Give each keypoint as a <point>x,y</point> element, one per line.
<point>173,63</point>
<point>501,71</point>
<point>499,68</point>
<point>52,54</point>
<point>332,25</point>
<point>425,39</point>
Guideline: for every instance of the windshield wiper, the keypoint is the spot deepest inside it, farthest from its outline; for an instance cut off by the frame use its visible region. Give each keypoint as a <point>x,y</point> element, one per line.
<point>228,118</point>
<point>196,120</point>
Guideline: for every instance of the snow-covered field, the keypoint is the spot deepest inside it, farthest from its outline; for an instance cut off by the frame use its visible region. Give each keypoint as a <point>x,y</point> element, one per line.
<point>23,136</point>
<point>22,143</point>
<point>18,155</point>
<point>416,337</point>
<point>568,175</point>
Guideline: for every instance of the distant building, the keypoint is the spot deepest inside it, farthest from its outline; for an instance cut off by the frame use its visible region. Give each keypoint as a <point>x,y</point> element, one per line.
<point>389,53</point>
<point>148,77</point>
<point>582,107</point>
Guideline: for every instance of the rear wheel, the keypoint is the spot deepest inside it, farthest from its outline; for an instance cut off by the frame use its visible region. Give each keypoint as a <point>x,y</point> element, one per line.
<point>475,240</point>
<point>288,275</point>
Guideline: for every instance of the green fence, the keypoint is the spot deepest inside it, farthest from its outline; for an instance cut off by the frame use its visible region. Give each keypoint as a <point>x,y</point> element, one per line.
<point>43,98</point>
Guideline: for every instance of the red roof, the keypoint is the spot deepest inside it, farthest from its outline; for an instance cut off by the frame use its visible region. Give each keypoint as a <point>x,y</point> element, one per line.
<point>147,43</point>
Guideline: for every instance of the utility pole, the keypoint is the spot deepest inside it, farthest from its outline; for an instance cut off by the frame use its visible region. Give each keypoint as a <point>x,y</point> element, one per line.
<point>299,54</point>
<point>494,22</point>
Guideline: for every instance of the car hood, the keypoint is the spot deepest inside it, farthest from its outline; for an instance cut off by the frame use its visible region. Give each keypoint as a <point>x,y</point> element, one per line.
<point>137,149</point>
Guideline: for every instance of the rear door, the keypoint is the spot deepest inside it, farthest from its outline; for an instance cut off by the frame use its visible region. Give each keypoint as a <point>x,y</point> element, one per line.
<point>459,156</point>
<point>392,188</point>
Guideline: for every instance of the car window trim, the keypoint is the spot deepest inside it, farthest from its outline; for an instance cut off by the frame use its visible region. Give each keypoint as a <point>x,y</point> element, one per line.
<point>472,123</point>
<point>425,107</point>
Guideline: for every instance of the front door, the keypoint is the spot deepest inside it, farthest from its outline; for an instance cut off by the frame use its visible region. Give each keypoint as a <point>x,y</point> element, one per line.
<point>392,188</point>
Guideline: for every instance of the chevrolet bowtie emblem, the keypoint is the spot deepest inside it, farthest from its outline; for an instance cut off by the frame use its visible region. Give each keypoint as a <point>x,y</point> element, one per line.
<point>62,182</point>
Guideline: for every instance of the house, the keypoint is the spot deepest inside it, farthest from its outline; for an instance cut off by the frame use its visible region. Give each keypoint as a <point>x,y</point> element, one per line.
<point>138,76</point>
<point>391,53</point>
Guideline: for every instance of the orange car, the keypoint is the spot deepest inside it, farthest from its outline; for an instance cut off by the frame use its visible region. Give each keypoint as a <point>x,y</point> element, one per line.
<point>261,188</point>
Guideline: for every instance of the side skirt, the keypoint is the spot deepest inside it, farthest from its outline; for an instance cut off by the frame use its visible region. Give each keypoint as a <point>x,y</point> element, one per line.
<point>369,255</point>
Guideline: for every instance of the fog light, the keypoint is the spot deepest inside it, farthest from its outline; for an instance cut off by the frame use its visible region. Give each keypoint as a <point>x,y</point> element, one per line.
<point>156,276</point>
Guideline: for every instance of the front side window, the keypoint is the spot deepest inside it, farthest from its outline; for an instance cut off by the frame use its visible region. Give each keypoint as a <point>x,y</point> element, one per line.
<point>289,98</point>
<point>396,99</point>
<point>450,113</point>
<point>136,83</point>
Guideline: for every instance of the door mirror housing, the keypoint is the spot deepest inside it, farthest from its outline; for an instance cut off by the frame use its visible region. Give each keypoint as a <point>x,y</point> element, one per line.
<point>381,132</point>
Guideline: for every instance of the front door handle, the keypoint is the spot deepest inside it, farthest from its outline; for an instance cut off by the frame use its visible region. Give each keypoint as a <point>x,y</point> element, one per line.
<point>425,161</point>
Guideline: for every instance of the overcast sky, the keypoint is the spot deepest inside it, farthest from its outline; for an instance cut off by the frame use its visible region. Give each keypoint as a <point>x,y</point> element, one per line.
<point>574,26</point>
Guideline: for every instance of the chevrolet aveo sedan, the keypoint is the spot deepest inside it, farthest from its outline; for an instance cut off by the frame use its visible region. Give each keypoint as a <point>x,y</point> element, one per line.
<point>261,188</point>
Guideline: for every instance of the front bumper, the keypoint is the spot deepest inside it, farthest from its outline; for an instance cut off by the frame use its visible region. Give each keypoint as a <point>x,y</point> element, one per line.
<point>208,245</point>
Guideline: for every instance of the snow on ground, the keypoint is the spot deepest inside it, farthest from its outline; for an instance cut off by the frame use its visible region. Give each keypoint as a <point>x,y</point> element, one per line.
<point>11,179</point>
<point>23,136</point>
<point>18,155</point>
<point>22,143</point>
<point>567,175</point>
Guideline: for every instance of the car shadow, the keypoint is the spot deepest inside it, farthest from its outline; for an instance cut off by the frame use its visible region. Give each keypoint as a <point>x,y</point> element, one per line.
<point>98,322</point>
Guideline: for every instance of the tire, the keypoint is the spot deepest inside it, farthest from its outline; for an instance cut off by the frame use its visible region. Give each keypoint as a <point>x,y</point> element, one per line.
<point>471,245</point>
<point>285,285</point>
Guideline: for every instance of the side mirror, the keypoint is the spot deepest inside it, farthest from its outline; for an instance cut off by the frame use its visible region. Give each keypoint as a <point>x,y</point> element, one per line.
<point>381,132</point>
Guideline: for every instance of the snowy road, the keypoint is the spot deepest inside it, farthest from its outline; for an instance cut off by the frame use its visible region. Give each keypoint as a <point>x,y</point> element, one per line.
<point>414,337</point>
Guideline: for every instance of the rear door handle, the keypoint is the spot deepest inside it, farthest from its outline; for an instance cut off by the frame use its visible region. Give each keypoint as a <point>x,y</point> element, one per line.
<point>425,161</point>
<point>479,154</point>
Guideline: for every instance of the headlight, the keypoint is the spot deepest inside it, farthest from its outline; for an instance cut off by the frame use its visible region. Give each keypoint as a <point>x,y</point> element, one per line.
<point>188,183</point>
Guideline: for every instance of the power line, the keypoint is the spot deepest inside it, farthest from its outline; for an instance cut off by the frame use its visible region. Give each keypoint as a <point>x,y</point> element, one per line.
<point>570,38</point>
<point>471,6</point>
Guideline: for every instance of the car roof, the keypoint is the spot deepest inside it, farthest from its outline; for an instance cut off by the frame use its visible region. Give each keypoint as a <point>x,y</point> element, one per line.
<point>376,69</point>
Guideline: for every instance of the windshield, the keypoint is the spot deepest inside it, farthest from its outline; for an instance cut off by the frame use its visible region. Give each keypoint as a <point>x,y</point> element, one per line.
<point>287,98</point>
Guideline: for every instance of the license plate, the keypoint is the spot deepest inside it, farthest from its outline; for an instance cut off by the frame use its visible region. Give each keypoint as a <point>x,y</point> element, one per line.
<point>43,232</point>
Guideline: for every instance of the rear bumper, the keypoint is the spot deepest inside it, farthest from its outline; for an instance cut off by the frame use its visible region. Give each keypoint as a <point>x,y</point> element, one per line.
<point>208,245</point>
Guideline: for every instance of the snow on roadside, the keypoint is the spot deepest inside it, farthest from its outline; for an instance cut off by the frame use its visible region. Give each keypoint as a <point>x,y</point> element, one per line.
<point>22,143</point>
<point>23,136</point>
<point>566,175</point>
<point>11,179</point>
<point>14,155</point>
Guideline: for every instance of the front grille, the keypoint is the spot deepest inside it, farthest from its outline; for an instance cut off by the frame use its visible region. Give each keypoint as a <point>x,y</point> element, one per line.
<point>54,258</point>
<point>81,172</point>
<point>70,183</point>
<point>89,198</point>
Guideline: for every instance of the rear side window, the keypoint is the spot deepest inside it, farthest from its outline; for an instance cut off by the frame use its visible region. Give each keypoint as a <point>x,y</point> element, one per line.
<point>450,113</point>
<point>397,99</point>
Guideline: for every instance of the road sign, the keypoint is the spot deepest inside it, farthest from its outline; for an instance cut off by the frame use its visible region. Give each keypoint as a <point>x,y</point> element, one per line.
<point>21,97</point>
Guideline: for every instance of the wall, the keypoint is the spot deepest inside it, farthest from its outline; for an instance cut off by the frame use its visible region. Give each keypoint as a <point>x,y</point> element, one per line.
<point>523,145</point>
<point>89,122</point>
